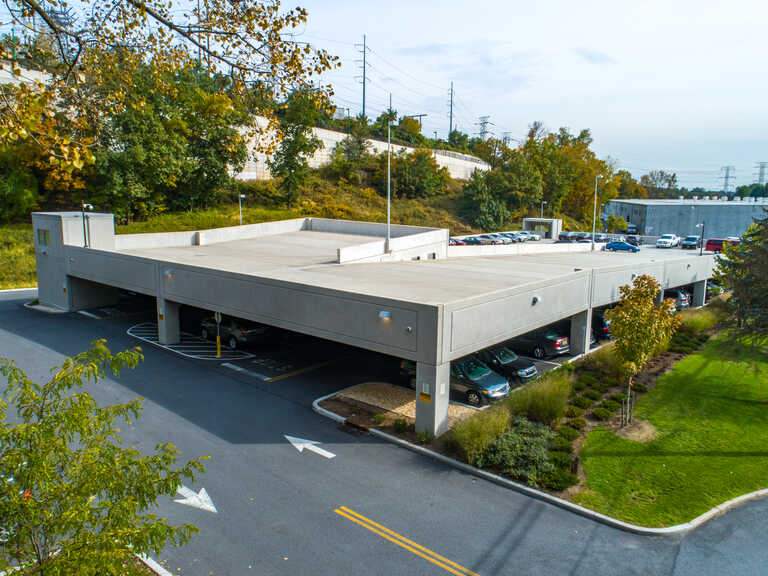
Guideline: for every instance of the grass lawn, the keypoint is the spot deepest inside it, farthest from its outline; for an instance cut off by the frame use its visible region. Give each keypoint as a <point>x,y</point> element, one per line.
<point>17,257</point>
<point>711,413</point>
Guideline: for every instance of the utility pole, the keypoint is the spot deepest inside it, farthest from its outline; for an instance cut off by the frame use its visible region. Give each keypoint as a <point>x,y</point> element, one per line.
<point>484,122</point>
<point>450,112</point>
<point>364,49</point>
<point>728,172</point>
<point>417,116</point>
<point>762,171</point>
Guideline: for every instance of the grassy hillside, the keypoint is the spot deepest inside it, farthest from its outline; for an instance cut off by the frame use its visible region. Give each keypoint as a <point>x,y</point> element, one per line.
<point>319,198</point>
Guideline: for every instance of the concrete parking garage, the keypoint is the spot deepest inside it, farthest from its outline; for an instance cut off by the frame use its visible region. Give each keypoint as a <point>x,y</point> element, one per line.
<point>401,294</point>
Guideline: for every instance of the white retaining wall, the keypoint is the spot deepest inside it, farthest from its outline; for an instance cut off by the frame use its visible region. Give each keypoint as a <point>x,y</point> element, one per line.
<point>514,249</point>
<point>459,166</point>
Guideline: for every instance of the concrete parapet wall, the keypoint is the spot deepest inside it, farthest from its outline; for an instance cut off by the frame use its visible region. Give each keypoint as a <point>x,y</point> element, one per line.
<point>155,240</point>
<point>216,235</point>
<point>361,252</point>
<point>363,228</point>
<point>514,249</point>
<point>426,245</point>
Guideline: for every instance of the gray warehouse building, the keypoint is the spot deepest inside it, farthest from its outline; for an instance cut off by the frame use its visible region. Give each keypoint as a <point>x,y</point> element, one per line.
<point>414,297</point>
<point>721,217</point>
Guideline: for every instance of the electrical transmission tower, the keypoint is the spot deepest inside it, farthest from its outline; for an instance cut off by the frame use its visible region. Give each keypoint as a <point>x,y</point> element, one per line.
<point>484,122</point>
<point>727,173</point>
<point>762,172</point>
<point>363,48</point>
<point>450,111</point>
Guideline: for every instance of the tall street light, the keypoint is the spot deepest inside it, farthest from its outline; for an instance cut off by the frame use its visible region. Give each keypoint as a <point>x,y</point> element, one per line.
<point>390,123</point>
<point>701,238</point>
<point>240,198</point>
<point>543,203</point>
<point>594,210</point>
<point>83,208</point>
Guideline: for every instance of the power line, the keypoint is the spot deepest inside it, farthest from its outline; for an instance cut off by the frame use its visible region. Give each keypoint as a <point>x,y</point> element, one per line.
<point>364,50</point>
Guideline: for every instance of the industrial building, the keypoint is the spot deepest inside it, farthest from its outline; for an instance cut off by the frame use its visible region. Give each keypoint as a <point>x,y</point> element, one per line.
<point>721,217</point>
<point>409,295</point>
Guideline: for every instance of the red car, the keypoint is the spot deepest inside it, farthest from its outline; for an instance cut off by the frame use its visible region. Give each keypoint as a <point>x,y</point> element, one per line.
<point>456,242</point>
<point>716,244</point>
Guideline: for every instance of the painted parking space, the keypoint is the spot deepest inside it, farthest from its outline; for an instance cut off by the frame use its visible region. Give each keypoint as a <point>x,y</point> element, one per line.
<point>189,346</point>
<point>271,369</point>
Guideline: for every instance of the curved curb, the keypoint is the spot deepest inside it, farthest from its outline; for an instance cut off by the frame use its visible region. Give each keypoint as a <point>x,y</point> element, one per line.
<point>153,565</point>
<point>544,496</point>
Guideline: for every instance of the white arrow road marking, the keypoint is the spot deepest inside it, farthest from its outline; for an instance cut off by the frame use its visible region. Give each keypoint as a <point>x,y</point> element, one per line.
<point>300,444</point>
<point>196,499</point>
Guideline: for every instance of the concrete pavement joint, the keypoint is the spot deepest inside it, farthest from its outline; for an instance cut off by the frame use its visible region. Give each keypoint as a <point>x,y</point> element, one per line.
<point>544,496</point>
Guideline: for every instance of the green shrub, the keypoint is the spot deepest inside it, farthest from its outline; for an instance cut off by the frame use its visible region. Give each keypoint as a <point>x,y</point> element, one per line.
<point>568,433</point>
<point>544,400</point>
<point>640,388</point>
<point>618,397</point>
<point>521,452</point>
<point>424,437</point>
<point>577,423</point>
<point>582,402</point>
<point>473,435</point>
<point>588,379</point>
<point>603,386</point>
<point>592,394</point>
<point>573,411</point>
<point>378,418</point>
<point>696,321</point>
<point>601,414</point>
<point>559,479</point>
<point>400,426</point>
<point>603,362</point>
<point>610,405</point>
<point>560,444</point>
<point>561,460</point>
<point>578,386</point>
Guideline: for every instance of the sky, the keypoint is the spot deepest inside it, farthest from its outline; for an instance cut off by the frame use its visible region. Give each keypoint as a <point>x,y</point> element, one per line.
<point>676,85</point>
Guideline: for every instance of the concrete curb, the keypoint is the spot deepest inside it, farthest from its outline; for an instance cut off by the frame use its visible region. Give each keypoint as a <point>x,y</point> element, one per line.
<point>153,565</point>
<point>544,496</point>
<point>11,290</point>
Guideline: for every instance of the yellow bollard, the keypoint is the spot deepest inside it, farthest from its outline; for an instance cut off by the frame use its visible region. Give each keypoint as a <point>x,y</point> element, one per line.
<point>218,346</point>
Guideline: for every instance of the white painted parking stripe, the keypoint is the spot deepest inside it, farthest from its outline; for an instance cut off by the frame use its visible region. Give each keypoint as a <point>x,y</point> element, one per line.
<point>242,370</point>
<point>89,314</point>
<point>190,346</point>
<point>541,361</point>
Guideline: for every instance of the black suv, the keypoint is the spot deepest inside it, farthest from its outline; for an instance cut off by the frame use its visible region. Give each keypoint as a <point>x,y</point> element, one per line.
<point>542,342</point>
<point>502,360</point>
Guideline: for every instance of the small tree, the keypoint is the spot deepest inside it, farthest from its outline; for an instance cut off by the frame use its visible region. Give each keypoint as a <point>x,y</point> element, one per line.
<point>639,326</point>
<point>73,500</point>
<point>615,223</point>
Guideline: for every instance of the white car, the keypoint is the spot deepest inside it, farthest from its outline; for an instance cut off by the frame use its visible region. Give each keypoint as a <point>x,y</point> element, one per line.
<point>668,241</point>
<point>530,235</point>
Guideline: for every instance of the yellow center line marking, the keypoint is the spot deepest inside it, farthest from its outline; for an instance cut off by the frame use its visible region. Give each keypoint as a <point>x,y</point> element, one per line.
<point>300,371</point>
<point>403,542</point>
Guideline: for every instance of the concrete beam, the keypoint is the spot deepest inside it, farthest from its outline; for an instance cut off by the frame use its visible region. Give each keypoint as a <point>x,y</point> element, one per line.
<point>699,293</point>
<point>168,328</point>
<point>581,325</point>
<point>432,392</point>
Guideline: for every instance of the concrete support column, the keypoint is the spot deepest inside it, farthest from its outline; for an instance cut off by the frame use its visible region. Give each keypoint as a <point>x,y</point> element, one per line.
<point>432,389</point>
<point>699,293</point>
<point>581,326</point>
<point>660,297</point>
<point>168,331</point>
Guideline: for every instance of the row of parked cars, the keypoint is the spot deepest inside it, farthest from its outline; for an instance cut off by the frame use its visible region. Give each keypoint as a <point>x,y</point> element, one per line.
<point>693,242</point>
<point>493,238</point>
<point>492,373</point>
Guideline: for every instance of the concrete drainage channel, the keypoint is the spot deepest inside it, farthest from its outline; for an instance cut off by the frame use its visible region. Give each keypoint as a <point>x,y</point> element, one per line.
<point>190,346</point>
<point>544,496</point>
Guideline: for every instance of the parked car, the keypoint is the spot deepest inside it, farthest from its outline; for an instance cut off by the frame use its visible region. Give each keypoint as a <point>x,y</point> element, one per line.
<point>494,239</point>
<point>621,247</point>
<point>601,326</point>
<point>582,236</point>
<point>543,342</point>
<point>633,239</point>
<point>477,240</point>
<point>528,235</point>
<point>514,236</point>
<point>668,241</point>
<point>456,242</point>
<point>690,243</point>
<point>716,244</point>
<point>507,363</point>
<point>714,288</point>
<point>566,237</point>
<point>235,332</point>
<point>601,238</point>
<point>631,229</point>
<point>470,378</point>
<point>681,298</point>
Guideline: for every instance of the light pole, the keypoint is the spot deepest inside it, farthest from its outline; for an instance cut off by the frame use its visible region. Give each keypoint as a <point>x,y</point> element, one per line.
<point>701,238</point>
<point>389,178</point>
<point>594,210</point>
<point>83,208</point>
<point>543,203</point>
<point>240,198</point>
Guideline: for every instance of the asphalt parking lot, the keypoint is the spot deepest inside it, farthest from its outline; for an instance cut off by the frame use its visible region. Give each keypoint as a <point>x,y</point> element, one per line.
<point>366,509</point>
